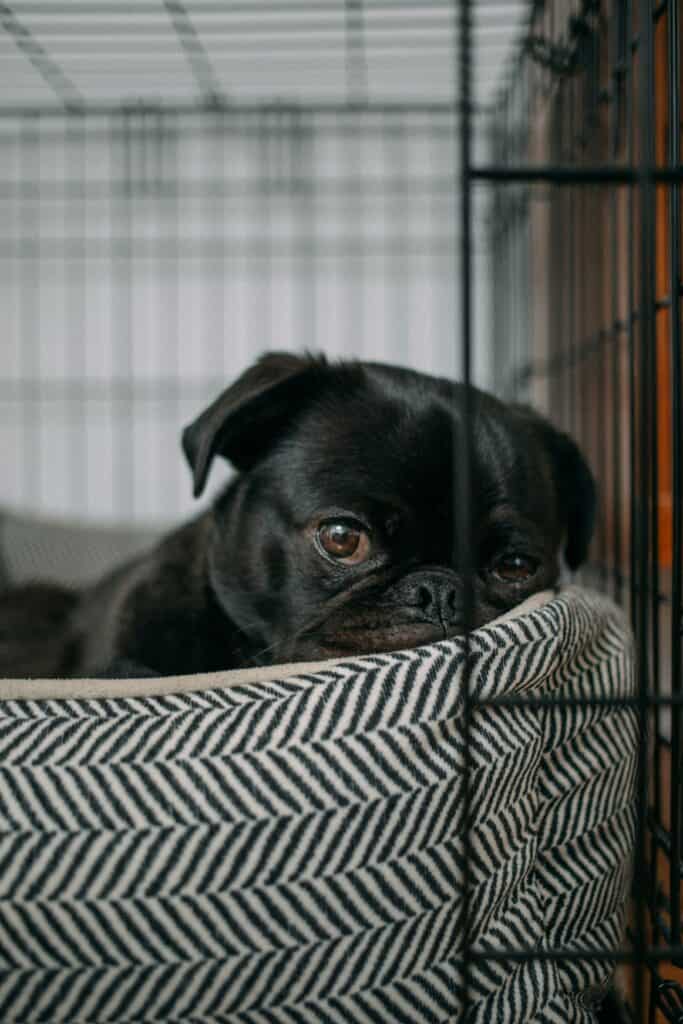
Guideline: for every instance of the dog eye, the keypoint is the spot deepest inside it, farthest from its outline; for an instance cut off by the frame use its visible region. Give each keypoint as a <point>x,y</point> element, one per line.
<point>344,541</point>
<point>515,568</point>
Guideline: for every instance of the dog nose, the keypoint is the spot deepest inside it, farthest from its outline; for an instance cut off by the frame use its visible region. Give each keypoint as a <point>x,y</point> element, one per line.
<point>438,595</point>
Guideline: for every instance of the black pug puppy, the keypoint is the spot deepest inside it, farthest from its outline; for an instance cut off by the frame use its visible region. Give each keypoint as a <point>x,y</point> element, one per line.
<point>335,538</point>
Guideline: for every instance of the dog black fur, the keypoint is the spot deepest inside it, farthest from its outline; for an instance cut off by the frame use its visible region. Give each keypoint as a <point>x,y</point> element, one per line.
<point>336,537</point>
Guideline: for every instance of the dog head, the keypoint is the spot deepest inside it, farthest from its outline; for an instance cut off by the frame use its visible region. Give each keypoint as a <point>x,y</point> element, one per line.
<point>343,532</point>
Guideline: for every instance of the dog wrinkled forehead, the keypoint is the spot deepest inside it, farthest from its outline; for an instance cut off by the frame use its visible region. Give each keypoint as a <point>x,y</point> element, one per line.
<point>389,437</point>
<point>377,435</point>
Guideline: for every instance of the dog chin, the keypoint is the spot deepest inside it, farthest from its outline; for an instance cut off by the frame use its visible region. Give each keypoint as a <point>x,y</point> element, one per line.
<point>372,641</point>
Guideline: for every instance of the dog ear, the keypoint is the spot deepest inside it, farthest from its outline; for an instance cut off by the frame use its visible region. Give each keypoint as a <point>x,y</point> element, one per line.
<point>242,422</point>
<point>574,485</point>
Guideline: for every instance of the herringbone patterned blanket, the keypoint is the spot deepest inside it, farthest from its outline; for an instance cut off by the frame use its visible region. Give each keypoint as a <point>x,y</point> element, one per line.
<point>295,850</point>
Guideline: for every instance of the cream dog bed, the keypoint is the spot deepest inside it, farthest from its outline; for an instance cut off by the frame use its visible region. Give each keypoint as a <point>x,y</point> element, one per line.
<point>289,845</point>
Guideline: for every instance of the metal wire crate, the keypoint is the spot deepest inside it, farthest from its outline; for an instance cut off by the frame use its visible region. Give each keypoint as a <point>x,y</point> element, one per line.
<point>489,189</point>
<point>586,156</point>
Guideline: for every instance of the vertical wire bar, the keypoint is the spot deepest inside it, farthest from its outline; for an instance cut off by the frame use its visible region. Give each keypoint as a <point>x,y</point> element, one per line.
<point>558,322</point>
<point>603,338</point>
<point>75,284</point>
<point>634,418</point>
<point>528,266</point>
<point>30,360</point>
<point>652,336</point>
<point>207,225</point>
<point>514,236</point>
<point>510,257</point>
<point>571,260</point>
<point>676,785</point>
<point>225,286</point>
<point>307,218</point>
<point>646,356</point>
<point>510,254</point>
<point>356,262</point>
<point>518,232</point>
<point>293,148</point>
<point>630,132</point>
<point>210,228</point>
<point>158,214</point>
<point>356,65</point>
<point>400,276</point>
<point>496,262</point>
<point>615,80</point>
<point>269,180</point>
<point>11,203</point>
<point>213,219</point>
<point>169,170</point>
<point>509,247</point>
<point>441,210</point>
<point>120,391</point>
<point>527,260</point>
<point>463,447</point>
<point>582,354</point>
<point>387,259</point>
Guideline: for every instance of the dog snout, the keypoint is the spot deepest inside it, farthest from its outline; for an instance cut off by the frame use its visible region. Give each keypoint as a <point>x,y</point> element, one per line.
<point>437,594</point>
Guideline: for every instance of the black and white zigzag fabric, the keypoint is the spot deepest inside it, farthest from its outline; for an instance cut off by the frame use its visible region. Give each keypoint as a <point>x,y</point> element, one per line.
<point>343,846</point>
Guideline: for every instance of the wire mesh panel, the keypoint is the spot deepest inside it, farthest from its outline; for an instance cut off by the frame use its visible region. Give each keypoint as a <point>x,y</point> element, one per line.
<point>184,185</point>
<point>587,140</point>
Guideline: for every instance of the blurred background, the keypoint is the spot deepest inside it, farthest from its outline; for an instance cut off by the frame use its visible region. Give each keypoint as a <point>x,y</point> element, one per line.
<point>183,186</point>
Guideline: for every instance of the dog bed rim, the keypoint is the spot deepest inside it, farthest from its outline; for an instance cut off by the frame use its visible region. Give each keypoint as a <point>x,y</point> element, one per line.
<point>162,686</point>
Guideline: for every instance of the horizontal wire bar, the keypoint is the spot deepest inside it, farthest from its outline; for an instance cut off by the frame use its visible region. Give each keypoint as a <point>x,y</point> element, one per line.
<point>579,175</point>
<point>651,955</point>
<point>420,187</point>
<point>378,54</point>
<point>275,7</point>
<point>276,28</point>
<point>241,108</point>
<point>334,126</point>
<point>496,41</point>
<point>159,245</point>
<point>654,700</point>
<point>225,26</point>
